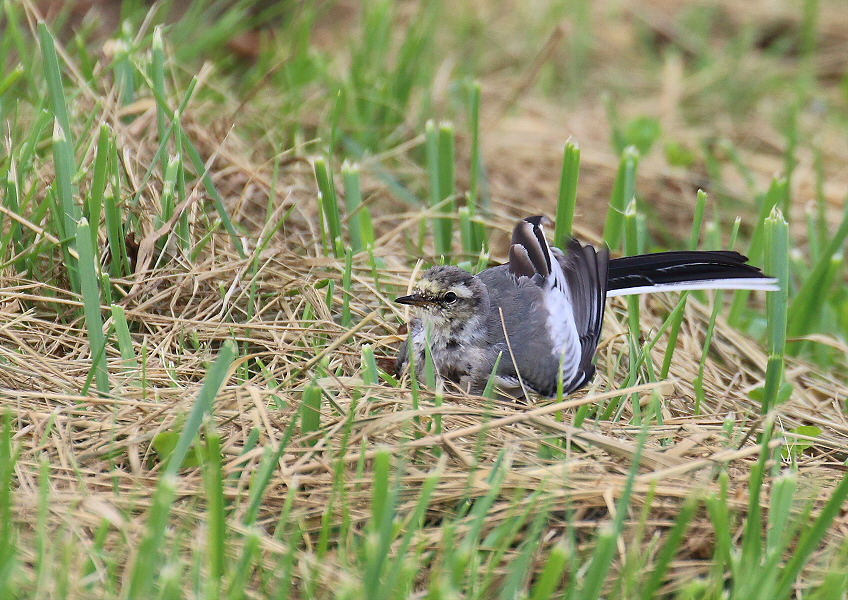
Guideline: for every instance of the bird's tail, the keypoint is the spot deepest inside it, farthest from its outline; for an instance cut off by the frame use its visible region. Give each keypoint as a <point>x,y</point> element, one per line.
<point>687,270</point>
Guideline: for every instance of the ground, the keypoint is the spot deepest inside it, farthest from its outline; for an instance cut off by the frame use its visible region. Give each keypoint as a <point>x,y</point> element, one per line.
<point>246,436</point>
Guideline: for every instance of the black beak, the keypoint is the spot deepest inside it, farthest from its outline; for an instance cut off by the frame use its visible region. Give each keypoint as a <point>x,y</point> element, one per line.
<point>415,299</point>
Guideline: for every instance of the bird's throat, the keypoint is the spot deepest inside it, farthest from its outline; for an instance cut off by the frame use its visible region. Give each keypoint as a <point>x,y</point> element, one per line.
<point>452,342</point>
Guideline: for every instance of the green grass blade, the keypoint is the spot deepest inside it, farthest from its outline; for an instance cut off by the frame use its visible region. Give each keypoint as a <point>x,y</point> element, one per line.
<point>489,390</point>
<point>783,491</point>
<point>380,530</point>
<point>8,530</point>
<point>123,66</point>
<point>605,548</point>
<point>698,219</point>
<point>552,574</point>
<point>129,360</point>
<point>439,148</point>
<point>239,581</point>
<point>94,205</point>
<point>477,199</point>
<point>347,292</point>
<point>157,77</point>
<point>359,225</point>
<point>113,214</point>
<point>183,224</point>
<point>69,212</point>
<point>167,200</point>
<point>467,232</point>
<point>310,418</point>
<point>91,299</point>
<point>567,193</point>
<point>476,155</point>
<point>329,208</point>
<point>53,76</point>
<point>631,248</point>
<point>12,240</point>
<point>11,79</point>
<point>602,558</point>
<point>624,190</point>
<point>751,551</point>
<point>370,374</point>
<point>44,545</point>
<point>776,265</point>
<point>216,532</point>
<point>719,512</point>
<point>447,165</point>
<point>774,195</point>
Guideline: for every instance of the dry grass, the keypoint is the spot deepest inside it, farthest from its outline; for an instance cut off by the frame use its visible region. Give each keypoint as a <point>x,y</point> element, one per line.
<point>99,450</point>
<point>101,459</point>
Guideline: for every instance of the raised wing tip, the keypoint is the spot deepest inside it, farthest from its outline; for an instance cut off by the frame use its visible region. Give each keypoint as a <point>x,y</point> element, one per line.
<point>528,234</point>
<point>539,220</point>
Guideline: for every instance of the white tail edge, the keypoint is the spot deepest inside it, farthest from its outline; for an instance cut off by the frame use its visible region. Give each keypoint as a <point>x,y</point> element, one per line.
<point>753,283</point>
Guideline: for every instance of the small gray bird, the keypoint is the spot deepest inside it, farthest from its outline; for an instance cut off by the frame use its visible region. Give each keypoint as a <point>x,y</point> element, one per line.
<point>542,312</point>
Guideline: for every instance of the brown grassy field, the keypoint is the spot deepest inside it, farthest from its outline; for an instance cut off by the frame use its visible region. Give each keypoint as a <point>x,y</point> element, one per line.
<point>83,486</point>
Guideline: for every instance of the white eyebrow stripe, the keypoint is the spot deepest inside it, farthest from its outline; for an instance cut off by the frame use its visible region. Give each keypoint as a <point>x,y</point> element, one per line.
<point>463,291</point>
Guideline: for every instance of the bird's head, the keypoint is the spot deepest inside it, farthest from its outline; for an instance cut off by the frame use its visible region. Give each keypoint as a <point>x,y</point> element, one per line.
<point>448,297</point>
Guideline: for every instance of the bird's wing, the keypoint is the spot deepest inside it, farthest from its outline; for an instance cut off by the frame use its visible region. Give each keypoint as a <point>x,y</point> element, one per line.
<point>585,270</point>
<point>573,287</point>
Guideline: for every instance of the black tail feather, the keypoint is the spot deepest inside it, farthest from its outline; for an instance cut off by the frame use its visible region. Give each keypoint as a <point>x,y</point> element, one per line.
<point>677,267</point>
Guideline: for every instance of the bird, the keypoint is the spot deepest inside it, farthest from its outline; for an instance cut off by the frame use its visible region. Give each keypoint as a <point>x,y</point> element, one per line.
<point>536,320</point>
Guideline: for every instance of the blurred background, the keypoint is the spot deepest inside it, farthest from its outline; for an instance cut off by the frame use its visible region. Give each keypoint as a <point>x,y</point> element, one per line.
<point>719,95</point>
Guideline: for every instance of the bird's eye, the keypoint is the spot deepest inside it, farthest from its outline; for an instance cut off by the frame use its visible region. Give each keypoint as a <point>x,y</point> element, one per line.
<point>450,298</point>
